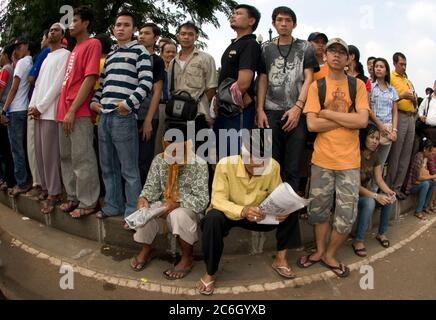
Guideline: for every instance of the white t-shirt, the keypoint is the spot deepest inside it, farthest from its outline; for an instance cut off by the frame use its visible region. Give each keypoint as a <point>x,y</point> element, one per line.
<point>431,115</point>
<point>22,70</point>
<point>48,86</point>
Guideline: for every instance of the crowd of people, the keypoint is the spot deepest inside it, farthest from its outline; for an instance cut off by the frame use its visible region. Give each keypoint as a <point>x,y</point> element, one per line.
<point>90,123</point>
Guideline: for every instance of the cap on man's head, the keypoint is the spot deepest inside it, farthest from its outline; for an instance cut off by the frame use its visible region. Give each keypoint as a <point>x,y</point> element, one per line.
<point>338,41</point>
<point>316,35</point>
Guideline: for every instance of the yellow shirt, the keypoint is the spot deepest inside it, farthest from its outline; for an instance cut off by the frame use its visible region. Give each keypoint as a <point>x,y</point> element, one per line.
<point>233,188</point>
<point>402,84</point>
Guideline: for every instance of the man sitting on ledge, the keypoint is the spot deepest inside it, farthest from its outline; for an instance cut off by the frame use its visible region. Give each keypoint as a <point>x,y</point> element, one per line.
<point>180,182</point>
<point>238,189</point>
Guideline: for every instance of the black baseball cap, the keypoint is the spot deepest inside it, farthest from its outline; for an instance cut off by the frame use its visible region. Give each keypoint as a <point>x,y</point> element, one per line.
<point>315,35</point>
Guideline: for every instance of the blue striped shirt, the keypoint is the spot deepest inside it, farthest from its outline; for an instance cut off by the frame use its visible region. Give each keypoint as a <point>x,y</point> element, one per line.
<point>127,77</point>
<point>382,102</point>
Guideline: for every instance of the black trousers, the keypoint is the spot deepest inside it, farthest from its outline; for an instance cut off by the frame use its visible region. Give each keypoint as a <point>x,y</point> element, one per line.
<point>6,161</point>
<point>216,226</point>
<point>288,147</point>
<point>146,150</point>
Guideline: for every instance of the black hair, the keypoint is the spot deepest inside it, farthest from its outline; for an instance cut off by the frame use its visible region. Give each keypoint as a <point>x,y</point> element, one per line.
<point>106,42</point>
<point>371,58</point>
<point>364,133</point>
<point>397,57</point>
<point>156,30</point>
<point>9,51</point>
<point>359,66</point>
<point>252,13</point>
<point>388,69</point>
<point>286,11</point>
<point>167,44</point>
<point>189,25</point>
<point>429,90</point>
<point>126,13</point>
<point>425,144</point>
<point>86,14</point>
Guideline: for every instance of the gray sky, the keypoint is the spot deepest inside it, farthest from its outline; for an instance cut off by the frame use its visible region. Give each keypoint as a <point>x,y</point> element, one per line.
<point>377,28</point>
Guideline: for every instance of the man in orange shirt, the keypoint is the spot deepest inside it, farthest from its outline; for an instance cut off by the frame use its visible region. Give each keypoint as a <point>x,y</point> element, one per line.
<point>319,41</point>
<point>336,158</point>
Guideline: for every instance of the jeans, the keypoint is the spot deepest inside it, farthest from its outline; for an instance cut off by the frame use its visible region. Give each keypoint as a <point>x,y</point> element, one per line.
<point>118,144</point>
<point>146,150</point>
<point>366,209</point>
<point>17,136</point>
<point>424,191</point>
<point>6,161</point>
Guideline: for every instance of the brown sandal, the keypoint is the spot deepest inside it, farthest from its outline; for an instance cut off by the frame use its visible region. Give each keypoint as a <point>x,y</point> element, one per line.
<point>82,213</point>
<point>69,206</point>
<point>49,205</point>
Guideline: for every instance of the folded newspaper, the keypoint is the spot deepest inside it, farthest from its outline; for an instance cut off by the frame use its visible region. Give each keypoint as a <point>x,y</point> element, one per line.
<point>141,217</point>
<point>281,202</point>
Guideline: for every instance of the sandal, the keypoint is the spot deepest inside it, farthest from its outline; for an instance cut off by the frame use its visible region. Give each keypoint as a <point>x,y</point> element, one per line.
<point>81,213</point>
<point>3,186</point>
<point>16,191</point>
<point>69,206</point>
<point>305,262</point>
<point>342,271</point>
<point>183,273</point>
<point>360,252</point>
<point>209,288</point>
<point>101,215</point>
<point>49,205</point>
<point>138,266</point>
<point>43,196</point>
<point>285,272</point>
<point>420,216</point>
<point>385,243</point>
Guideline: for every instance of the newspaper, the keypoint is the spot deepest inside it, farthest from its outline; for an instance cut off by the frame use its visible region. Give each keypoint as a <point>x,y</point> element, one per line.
<point>281,202</point>
<point>141,217</point>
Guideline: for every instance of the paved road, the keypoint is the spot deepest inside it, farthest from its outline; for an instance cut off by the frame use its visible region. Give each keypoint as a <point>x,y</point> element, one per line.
<point>409,273</point>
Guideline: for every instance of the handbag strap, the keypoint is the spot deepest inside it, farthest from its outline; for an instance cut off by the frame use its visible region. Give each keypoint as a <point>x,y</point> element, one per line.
<point>172,78</point>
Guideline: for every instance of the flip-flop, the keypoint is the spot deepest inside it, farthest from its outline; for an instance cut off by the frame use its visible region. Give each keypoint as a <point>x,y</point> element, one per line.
<point>285,272</point>
<point>384,243</point>
<point>420,216</point>
<point>209,288</point>
<point>137,266</point>
<point>360,252</point>
<point>183,272</point>
<point>342,271</point>
<point>82,213</point>
<point>308,262</point>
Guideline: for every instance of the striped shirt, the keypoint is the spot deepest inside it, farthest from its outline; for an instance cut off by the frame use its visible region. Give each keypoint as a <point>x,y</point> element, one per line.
<point>382,102</point>
<point>127,77</point>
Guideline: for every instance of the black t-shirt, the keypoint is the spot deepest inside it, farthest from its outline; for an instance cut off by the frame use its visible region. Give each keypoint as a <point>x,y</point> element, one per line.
<point>158,75</point>
<point>244,53</point>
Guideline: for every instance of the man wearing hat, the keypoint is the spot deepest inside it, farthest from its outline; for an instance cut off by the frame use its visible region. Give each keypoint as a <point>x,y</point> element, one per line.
<point>319,41</point>
<point>336,158</point>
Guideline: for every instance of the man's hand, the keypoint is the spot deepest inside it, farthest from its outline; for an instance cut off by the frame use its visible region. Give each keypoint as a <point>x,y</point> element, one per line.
<point>293,118</point>
<point>96,107</point>
<point>142,203</point>
<point>409,95</point>
<point>282,219</point>
<point>324,114</point>
<point>393,136</point>
<point>262,120</point>
<point>34,113</point>
<point>253,214</point>
<point>169,207</point>
<point>122,110</point>
<point>68,124</point>
<point>423,119</point>
<point>147,130</point>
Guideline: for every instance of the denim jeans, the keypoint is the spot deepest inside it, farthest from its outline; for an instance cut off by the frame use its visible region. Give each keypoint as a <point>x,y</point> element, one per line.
<point>424,191</point>
<point>17,136</point>
<point>146,150</point>
<point>367,207</point>
<point>118,144</point>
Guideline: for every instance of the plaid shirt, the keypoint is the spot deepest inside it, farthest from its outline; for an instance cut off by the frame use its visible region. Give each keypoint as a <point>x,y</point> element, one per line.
<point>415,169</point>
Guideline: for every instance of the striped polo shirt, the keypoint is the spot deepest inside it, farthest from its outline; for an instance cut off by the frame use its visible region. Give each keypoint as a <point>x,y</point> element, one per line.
<point>127,77</point>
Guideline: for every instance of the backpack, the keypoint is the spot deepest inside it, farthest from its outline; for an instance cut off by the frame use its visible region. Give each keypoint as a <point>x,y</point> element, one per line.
<point>322,93</point>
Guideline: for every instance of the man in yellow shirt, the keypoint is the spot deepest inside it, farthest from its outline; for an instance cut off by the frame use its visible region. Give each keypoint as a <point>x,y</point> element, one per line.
<point>401,151</point>
<point>240,185</point>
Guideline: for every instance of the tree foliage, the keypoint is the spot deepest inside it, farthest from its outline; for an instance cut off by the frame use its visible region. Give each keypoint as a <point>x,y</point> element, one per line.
<point>29,18</point>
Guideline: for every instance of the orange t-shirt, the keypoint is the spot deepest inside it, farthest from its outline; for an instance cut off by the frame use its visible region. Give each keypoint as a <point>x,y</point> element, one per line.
<point>337,149</point>
<point>322,73</point>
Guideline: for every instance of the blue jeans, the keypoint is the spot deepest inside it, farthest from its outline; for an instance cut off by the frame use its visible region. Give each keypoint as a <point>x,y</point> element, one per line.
<point>17,137</point>
<point>366,209</point>
<point>118,144</point>
<point>424,191</point>
<point>247,121</point>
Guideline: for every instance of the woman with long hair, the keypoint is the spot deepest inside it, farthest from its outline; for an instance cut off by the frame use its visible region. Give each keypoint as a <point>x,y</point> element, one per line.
<point>370,172</point>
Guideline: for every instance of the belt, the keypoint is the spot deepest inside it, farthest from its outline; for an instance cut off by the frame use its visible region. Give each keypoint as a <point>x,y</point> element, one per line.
<point>409,113</point>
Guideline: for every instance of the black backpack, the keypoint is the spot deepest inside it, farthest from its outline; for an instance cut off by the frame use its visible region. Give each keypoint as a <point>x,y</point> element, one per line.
<point>322,93</point>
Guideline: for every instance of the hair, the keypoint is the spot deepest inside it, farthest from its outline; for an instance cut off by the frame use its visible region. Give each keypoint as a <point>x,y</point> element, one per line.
<point>397,57</point>
<point>126,13</point>
<point>9,51</point>
<point>252,13</point>
<point>106,42</point>
<point>156,30</point>
<point>167,44</point>
<point>189,25</point>
<point>388,69</point>
<point>86,14</point>
<point>371,58</point>
<point>286,11</point>
<point>364,133</point>
<point>425,144</point>
<point>429,90</point>
<point>355,51</point>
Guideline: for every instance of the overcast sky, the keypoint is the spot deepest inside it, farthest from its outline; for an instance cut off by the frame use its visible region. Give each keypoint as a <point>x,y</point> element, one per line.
<point>377,28</point>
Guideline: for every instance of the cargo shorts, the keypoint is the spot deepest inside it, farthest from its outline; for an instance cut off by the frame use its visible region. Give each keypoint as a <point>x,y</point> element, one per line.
<point>324,185</point>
